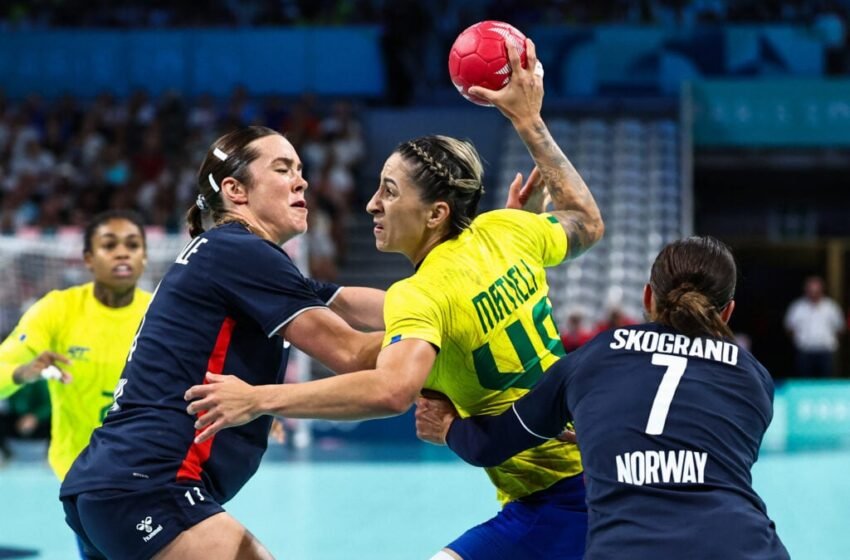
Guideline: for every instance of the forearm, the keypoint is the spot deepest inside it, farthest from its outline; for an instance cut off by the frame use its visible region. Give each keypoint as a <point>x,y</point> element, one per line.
<point>354,352</point>
<point>362,308</point>
<point>572,200</point>
<point>488,441</point>
<point>356,396</point>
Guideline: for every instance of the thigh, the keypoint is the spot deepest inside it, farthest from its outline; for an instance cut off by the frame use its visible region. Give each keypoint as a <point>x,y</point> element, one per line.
<point>138,524</point>
<point>526,532</point>
<point>219,536</point>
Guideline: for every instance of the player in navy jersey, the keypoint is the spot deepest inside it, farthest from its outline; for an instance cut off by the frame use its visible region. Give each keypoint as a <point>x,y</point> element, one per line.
<point>143,487</point>
<point>669,417</point>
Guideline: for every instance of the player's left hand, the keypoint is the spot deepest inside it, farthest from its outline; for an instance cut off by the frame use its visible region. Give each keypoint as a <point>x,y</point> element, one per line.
<point>434,416</point>
<point>222,402</point>
<point>533,196</point>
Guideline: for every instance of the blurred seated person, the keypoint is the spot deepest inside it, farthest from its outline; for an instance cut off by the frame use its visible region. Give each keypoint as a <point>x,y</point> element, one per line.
<point>575,333</point>
<point>616,317</point>
<point>24,415</point>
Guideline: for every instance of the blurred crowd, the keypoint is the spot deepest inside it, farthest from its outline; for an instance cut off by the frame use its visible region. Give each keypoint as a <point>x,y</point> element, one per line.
<point>63,161</point>
<point>182,13</point>
<point>416,35</point>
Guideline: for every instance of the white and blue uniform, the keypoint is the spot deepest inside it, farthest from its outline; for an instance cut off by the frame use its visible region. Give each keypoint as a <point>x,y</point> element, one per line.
<point>669,427</point>
<point>217,309</point>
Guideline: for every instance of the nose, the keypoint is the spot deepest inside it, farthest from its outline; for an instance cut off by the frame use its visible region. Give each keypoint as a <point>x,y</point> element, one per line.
<point>372,206</point>
<point>301,185</point>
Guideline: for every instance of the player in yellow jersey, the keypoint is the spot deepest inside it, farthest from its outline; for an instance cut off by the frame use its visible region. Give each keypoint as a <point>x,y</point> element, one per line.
<point>78,338</point>
<point>474,321</point>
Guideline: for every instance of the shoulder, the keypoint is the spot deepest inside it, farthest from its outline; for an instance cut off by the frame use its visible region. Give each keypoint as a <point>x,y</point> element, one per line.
<point>67,297</point>
<point>510,218</point>
<point>235,248</point>
<point>412,289</point>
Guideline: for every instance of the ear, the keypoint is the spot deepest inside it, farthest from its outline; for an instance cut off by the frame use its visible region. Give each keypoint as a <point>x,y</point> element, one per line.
<point>439,214</point>
<point>234,191</point>
<point>648,299</point>
<point>726,312</point>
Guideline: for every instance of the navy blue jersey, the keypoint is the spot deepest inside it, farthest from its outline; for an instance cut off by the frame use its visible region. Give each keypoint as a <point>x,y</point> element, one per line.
<point>668,426</point>
<point>217,309</point>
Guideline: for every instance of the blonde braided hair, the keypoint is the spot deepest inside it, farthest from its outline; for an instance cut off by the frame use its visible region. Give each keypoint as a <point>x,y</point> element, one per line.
<point>449,170</point>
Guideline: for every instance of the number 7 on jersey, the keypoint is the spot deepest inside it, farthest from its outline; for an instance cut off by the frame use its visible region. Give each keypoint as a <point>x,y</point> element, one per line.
<point>664,396</point>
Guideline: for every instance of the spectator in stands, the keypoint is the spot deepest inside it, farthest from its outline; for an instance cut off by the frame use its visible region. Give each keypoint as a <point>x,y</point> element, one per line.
<point>616,317</point>
<point>814,322</point>
<point>26,416</point>
<point>575,333</point>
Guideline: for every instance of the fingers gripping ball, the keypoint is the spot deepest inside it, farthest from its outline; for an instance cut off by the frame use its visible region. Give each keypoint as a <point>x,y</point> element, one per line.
<point>479,57</point>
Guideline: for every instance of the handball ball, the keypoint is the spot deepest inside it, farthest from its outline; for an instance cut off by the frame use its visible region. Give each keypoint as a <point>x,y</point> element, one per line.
<point>479,57</point>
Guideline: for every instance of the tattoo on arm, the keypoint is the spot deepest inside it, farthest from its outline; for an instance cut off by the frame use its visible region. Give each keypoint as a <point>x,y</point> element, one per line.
<point>575,207</point>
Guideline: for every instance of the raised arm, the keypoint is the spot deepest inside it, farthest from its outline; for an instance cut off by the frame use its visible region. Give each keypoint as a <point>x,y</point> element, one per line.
<point>521,101</point>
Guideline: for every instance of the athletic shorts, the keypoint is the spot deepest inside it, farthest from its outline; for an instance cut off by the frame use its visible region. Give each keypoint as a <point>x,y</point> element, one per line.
<point>547,525</point>
<point>136,524</point>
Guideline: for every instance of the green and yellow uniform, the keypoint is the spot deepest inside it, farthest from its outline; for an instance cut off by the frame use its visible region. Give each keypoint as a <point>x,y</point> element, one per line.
<point>482,300</point>
<point>96,339</point>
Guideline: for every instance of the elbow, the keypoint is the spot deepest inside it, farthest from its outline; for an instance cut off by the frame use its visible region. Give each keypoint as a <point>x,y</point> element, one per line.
<point>596,228</point>
<point>394,401</point>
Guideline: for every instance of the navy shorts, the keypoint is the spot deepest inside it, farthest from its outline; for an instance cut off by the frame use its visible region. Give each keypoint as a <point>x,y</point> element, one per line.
<point>547,525</point>
<point>136,524</point>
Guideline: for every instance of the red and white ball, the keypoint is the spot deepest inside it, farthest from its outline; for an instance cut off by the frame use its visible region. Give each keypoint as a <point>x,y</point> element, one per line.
<point>479,57</point>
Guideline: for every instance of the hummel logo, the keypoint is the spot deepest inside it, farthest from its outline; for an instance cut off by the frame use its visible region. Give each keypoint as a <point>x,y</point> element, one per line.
<point>146,526</point>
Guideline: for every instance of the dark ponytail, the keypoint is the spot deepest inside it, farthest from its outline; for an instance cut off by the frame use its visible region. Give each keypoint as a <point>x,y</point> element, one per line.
<point>693,280</point>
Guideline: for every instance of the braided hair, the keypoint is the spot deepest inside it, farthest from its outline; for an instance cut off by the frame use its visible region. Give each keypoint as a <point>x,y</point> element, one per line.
<point>449,170</point>
<point>692,280</point>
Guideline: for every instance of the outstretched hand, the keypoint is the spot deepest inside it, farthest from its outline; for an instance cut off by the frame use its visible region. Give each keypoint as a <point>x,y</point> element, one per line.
<point>434,416</point>
<point>522,98</point>
<point>222,402</point>
<point>533,196</point>
<point>43,366</point>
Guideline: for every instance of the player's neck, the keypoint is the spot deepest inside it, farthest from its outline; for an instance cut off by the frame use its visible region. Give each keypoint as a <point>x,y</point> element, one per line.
<point>113,298</point>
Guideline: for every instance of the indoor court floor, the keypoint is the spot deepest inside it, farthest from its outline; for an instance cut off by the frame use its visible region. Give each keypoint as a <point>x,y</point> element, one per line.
<point>405,502</point>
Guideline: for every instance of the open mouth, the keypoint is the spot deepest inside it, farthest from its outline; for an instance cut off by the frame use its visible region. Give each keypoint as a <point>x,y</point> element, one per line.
<point>122,271</point>
<point>300,204</point>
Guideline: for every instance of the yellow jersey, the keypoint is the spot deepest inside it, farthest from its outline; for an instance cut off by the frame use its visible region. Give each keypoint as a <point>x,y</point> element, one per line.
<point>96,339</point>
<point>482,300</point>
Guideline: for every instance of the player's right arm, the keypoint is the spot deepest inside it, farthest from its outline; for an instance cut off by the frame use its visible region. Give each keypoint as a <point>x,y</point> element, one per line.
<point>325,336</point>
<point>521,101</point>
<point>488,441</point>
<point>21,357</point>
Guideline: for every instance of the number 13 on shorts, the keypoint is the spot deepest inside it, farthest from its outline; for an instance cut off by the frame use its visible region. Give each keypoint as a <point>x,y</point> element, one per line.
<point>189,497</point>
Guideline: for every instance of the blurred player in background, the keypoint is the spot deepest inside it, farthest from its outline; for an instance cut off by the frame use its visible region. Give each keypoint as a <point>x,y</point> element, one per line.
<point>669,417</point>
<point>78,338</point>
<point>474,322</point>
<point>143,487</point>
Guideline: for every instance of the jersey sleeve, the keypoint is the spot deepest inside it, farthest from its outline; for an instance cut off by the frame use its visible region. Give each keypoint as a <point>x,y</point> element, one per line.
<point>410,312</point>
<point>262,281</point>
<point>540,415</point>
<point>326,291</point>
<point>32,335</point>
